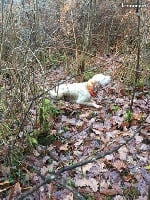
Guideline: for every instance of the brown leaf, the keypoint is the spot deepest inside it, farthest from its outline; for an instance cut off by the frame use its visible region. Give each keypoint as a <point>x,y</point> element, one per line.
<point>6,188</point>
<point>87,167</point>
<point>78,143</point>
<point>64,147</point>
<point>85,115</point>
<point>148,119</point>
<point>128,178</point>
<point>50,188</point>
<point>15,191</point>
<point>80,124</point>
<point>109,192</point>
<point>17,188</point>
<point>98,126</point>
<point>68,120</point>
<point>44,170</point>
<point>139,139</point>
<point>4,183</point>
<point>118,120</point>
<point>123,153</point>
<point>92,183</point>
<point>137,116</point>
<point>69,196</point>
<point>4,170</point>
<point>107,124</point>
<point>118,164</point>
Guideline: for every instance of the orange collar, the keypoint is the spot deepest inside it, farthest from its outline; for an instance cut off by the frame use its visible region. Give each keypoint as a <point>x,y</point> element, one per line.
<point>90,87</point>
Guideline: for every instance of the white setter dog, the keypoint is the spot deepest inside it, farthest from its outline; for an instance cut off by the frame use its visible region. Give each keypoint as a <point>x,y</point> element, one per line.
<point>81,93</point>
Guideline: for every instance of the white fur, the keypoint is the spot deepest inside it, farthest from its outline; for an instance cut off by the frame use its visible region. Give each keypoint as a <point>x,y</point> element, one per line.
<point>78,92</point>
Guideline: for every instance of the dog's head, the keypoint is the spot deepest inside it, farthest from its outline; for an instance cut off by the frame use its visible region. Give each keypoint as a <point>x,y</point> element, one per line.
<point>101,79</point>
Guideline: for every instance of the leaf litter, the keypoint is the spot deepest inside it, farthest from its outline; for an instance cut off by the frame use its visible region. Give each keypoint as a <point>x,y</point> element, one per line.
<point>82,134</point>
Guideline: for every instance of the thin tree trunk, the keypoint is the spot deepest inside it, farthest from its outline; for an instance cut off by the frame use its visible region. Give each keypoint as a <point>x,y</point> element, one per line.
<point>137,69</point>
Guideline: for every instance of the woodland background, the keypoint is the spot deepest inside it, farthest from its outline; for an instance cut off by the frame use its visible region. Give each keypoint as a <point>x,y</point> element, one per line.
<point>58,150</point>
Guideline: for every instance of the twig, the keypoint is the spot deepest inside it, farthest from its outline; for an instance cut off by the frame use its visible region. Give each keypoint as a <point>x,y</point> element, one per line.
<point>35,188</point>
<point>77,195</point>
<point>21,125</point>
<point>56,175</point>
<point>98,156</point>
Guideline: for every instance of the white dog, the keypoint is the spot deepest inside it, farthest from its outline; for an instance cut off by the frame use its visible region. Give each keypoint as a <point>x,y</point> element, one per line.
<point>81,93</point>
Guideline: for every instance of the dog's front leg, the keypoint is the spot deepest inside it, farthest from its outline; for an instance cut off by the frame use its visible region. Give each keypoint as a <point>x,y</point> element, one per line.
<point>91,104</point>
<point>88,103</point>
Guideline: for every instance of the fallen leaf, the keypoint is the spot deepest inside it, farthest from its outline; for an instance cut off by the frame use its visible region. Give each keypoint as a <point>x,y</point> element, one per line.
<point>78,143</point>
<point>144,147</point>
<point>148,119</point>
<point>101,166</point>
<point>147,167</point>
<point>123,153</point>
<point>118,164</point>
<point>63,147</point>
<point>117,120</point>
<point>4,170</point>
<point>69,196</point>
<point>50,188</point>
<point>142,198</point>
<point>17,188</point>
<point>80,124</point>
<point>139,139</point>
<point>78,153</point>
<point>87,167</point>
<point>97,132</point>
<point>128,178</point>
<point>6,188</point>
<point>110,192</point>
<point>98,126</point>
<point>69,121</point>
<point>44,170</point>
<point>15,191</point>
<point>92,183</point>
<point>109,157</point>
<point>118,197</point>
<point>107,124</point>
<point>45,159</point>
<point>85,115</point>
<point>137,116</point>
<point>4,183</point>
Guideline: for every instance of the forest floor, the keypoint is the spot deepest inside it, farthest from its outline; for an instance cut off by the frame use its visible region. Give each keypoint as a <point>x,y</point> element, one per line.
<point>95,154</point>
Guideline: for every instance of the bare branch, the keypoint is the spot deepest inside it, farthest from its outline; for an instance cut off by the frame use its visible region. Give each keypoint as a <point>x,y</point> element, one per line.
<point>56,175</point>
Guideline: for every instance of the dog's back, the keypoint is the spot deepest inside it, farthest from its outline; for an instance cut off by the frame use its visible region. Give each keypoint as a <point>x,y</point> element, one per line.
<point>68,90</point>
